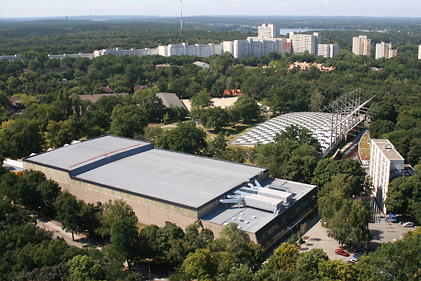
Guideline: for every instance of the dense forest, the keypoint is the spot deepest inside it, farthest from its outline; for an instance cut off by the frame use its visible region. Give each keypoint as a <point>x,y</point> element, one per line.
<point>28,252</point>
<point>51,114</point>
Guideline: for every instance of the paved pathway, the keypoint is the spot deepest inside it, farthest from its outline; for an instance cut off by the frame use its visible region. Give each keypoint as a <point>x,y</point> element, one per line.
<point>383,231</point>
<point>80,241</point>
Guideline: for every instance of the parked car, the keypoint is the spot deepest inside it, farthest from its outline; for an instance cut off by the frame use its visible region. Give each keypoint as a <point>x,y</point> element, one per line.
<point>341,252</point>
<point>408,224</point>
<point>354,258</point>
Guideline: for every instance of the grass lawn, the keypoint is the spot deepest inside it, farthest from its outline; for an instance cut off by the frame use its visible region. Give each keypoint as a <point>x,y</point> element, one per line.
<point>364,147</point>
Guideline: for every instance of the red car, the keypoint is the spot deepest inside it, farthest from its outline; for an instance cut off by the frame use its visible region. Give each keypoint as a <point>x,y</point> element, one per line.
<point>341,252</point>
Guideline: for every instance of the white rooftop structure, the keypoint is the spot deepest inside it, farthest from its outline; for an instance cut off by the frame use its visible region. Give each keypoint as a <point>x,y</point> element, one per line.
<point>329,128</point>
<point>319,124</point>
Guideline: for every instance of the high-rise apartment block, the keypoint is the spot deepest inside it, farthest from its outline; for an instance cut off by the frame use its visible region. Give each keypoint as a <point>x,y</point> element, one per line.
<point>327,50</point>
<point>267,41</point>
<point>268,31</point>
<point>384,50</point>
<point>304,42</point>
<point>361,45</point>
<point>385,165</point>
<point>419,52</point>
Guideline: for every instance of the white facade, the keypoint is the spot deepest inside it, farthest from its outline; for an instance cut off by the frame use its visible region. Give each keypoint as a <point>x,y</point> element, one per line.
<point>241,48</point>
<point>384,161</point>
<point>419,52</point>
<point>228,46</point>
<point>268,31</point>
<point>10,58</point>
<point>327,50</point>
<point>304,42</point>
<point>384,50</point>
<point>361,45</point>
<point>268,41</point>
<point>80,55</point>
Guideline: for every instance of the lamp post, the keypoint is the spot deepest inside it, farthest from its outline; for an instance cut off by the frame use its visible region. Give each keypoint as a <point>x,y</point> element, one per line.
<point>149,267</point>
<point>87,234</point>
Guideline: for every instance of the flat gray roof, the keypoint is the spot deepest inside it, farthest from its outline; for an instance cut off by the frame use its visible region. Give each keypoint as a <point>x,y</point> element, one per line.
<point>135,166</point>
<point>388,149</point>
<point>251,219</point>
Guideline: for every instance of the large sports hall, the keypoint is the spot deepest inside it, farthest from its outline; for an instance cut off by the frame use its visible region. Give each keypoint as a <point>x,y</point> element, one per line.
<point>165,186</point>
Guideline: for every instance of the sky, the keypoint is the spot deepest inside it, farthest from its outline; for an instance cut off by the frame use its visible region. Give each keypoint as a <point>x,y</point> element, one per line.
<point>58,8</point>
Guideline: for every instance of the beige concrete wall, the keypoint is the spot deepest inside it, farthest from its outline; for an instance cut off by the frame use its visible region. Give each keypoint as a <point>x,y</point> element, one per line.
<point>148,211</point>
<point>217,228</point>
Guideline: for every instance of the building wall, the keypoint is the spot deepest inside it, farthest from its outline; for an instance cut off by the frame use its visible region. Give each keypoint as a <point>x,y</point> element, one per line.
<point>304,42</point>
<point>384,50</point>
<point>380,169</point>
<point>268,31</point>
<point>361,45</point>
<point>147,210</point>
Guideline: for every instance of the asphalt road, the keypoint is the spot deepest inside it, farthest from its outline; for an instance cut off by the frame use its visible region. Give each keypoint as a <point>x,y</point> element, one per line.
<point>383,231</point>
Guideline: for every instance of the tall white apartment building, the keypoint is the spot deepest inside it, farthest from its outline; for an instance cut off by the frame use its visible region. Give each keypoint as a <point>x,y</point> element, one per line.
<point>145,52</point>
<point>361,45</point>
<point>384,50</point>
<point>228,46</point>
<point>268,31</point>
<point>304,42</point>
<point>327,50</point>
<point>419,52</point>
<point>241,48</point>
<point>216,49</point>
<point>385,165</point>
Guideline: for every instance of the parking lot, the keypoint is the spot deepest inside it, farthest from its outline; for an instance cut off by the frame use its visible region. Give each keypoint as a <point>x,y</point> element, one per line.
<point>383,231</point>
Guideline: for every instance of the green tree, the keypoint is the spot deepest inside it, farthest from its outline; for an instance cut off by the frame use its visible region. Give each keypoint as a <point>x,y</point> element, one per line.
<point>83,267</point>
<point>308,263</point>
<point>327,169</point>
<point>299,134</point>
<point>113,211</point>
<point>68,213</point>
<point>58,133</point>
<point>201,100</point>
<point>20,190</point>
<point>399,191</point>
<point>20,138</point>
<point>200,265</point>
<point>246,108</point>
<point>212,118</point>
<point>398,260</point>
<point>128,121</point>
<point>216,146</point>
<point>186,137</point>
<point>380,127</point>
<point>151,104</point>
<point>284,258</point>
<point>150,243</point>
<point>124,238</point>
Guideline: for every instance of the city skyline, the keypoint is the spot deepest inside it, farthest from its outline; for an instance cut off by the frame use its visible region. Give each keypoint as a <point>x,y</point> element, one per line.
<point>170,8</point>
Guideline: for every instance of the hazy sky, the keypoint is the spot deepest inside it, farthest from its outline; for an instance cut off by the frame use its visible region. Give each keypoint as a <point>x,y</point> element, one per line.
<point>51,8</point>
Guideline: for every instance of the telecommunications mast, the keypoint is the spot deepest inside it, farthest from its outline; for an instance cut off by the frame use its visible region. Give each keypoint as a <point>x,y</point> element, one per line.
<point>181,17</point>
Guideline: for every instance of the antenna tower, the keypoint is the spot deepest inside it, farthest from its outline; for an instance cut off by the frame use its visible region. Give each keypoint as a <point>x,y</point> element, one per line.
<point>181,17</point>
